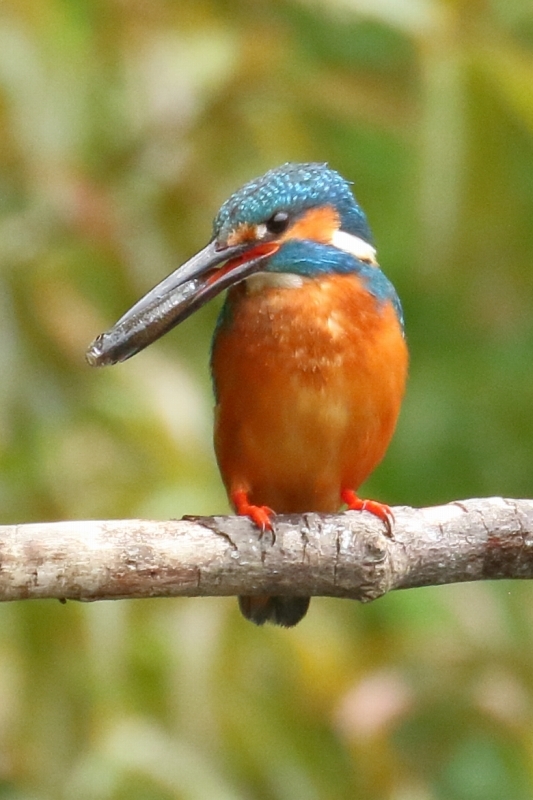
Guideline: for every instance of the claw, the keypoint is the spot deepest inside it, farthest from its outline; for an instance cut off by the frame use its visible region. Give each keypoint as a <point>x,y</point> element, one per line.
<point>261,516</point>
<point>380,510</point>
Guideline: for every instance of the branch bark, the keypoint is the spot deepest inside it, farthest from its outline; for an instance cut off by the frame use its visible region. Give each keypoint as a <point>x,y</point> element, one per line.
<point>344,555</point>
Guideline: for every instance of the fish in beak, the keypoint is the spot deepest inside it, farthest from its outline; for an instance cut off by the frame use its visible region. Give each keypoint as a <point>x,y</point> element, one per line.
<point>205,275</point>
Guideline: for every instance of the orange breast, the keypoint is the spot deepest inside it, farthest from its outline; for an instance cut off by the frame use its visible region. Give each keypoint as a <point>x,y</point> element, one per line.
<point>309,384</point>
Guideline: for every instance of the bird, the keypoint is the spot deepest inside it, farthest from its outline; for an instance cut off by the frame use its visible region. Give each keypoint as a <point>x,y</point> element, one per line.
<point>309,358</point>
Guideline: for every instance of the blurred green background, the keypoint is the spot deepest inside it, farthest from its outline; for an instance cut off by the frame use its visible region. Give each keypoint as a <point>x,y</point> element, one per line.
<point>123,126</point>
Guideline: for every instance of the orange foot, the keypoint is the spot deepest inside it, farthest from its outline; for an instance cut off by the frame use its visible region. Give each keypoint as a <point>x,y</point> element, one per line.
<point>380,510</point>
<point>260,515</point>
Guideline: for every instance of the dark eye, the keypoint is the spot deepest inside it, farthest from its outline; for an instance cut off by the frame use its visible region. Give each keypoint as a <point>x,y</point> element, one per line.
<point>278,222</point>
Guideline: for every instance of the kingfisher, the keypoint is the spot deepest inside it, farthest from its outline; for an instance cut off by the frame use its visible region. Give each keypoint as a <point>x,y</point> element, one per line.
<point>309,359</point>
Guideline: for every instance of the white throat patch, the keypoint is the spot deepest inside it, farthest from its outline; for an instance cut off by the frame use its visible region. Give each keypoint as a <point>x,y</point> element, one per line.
<point>355,246</point>
<point>273,280</point>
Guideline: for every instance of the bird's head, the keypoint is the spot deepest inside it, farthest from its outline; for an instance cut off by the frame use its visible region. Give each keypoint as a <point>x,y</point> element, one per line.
<point>291,220</point>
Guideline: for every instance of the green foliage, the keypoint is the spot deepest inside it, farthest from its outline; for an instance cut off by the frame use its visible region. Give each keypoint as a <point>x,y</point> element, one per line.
<point>122,128</point>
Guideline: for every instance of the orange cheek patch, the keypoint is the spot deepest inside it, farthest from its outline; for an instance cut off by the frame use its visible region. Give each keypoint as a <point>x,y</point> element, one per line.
<point>242,233</point>
<point>317,224</point>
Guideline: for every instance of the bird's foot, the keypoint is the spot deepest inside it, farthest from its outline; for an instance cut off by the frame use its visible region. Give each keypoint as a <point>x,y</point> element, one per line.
<point>261,516</point>
<point>380,510</point>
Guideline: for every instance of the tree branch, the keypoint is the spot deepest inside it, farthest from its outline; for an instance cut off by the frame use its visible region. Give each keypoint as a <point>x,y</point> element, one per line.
<point>344,555</point>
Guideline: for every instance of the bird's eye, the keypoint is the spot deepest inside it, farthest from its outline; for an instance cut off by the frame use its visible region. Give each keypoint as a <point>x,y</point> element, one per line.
<point>278,222</point>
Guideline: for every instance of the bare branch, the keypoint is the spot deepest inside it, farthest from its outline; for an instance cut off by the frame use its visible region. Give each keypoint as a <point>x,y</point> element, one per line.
<point>346,555</point>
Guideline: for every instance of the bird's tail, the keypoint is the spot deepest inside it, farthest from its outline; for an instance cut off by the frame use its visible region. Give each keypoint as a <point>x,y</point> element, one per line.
<point>285,611</point>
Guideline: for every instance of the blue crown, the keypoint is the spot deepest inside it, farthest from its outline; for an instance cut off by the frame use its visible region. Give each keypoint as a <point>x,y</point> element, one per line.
<point>292,188</point>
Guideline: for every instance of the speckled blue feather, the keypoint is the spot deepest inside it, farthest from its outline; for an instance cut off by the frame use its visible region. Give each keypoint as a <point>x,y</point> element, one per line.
<point>292,188</point>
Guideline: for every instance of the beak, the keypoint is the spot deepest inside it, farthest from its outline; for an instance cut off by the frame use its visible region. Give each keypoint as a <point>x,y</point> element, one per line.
<point>204,276</point>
